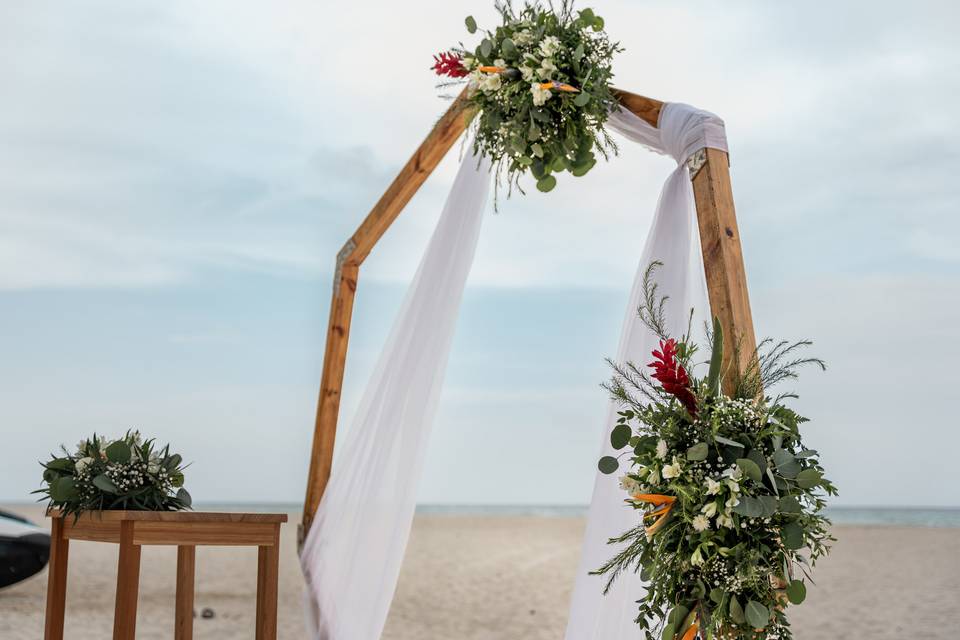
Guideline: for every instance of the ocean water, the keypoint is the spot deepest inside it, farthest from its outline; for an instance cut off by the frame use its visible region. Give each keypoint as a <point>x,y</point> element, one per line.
<point>865,516</point>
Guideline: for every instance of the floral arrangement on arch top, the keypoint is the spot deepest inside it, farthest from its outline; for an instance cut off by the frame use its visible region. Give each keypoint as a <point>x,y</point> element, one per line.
<point>540,84</point>
<point>729,497</point>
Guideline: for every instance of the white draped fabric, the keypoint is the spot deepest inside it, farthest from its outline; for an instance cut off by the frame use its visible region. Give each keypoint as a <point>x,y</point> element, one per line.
<point>353,552</point>
<point>674,240</point>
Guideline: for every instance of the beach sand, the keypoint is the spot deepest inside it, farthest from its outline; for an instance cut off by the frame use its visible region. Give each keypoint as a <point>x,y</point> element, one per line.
<point>498,578</point>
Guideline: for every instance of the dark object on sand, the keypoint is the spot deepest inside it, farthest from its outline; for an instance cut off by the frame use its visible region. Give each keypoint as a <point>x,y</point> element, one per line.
<point>207,613</point>
<point>24,548</point>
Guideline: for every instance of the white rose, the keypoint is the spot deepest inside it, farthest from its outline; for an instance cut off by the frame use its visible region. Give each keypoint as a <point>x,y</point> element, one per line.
<point>546,70</point>
<point>526,72</point>
<point>82,464</point>
<point>550,45</point>
<point>490,82</point>
<point>540,95</point>
<point>662,449</point>
<point>672,470</point>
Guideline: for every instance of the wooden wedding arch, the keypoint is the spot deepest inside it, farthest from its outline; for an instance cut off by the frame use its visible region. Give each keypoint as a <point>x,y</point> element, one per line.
<point>719,239</point>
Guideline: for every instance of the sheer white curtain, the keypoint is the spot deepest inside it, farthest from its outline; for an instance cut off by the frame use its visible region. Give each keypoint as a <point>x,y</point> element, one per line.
<point>352,555</point>
<point>673,239</point>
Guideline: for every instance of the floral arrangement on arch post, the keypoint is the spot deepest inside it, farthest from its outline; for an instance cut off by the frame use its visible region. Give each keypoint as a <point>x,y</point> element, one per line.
<point>540,84</point>
<point>127,473</point>
<point>729,497</point>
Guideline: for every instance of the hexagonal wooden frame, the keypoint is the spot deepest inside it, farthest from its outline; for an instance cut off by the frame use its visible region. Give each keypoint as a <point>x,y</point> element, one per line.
<point>719,238</point>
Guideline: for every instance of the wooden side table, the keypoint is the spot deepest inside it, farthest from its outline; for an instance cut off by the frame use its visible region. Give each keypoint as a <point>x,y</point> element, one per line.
<point>183,529</point>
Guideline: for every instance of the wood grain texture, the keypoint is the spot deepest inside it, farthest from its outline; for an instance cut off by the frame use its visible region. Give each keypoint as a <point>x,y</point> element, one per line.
<point>328,403</point>
<point>411,177</point>
<point>723,260</point>
<point>56,582</point>
<point>128,585</point>
<point>723,263</point>
<point>268,576</point>
<point>93,517</point>
<point>219,534</point>
<point>186,583</point>
<point>643,107</point>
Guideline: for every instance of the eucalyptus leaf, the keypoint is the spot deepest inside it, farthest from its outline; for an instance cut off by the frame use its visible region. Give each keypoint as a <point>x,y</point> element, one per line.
<point>184,497</point>
<point>486,48</point>
<point>736,611</point>
<point>728,441</point>
<point>63,489</point>
<point>796,592</point>
<point>119,451</point>
<point>582,99</point>
<point>791,534</point>
<point>546,183</point>
<point>750,468</point>
<point>757,615</point>
<point>608,465</point>
<point>698,452</point>
<point>471,24</point>
<point>669,632</point>
<point>809,478</point>
<point>508,48</point>
<point>789,504</point>
<point>105,484</point>
<point>620,436</point>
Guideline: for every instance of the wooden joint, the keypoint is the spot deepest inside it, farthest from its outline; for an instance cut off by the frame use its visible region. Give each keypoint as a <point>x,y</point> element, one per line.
<point>342,256</point>
<point>696,162</point>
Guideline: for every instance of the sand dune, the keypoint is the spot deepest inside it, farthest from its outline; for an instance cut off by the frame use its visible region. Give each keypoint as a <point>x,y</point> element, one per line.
<point>500,578</point>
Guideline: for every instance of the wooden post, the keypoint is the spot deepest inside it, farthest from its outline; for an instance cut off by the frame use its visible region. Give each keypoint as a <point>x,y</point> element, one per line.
<point>718,231</point>
<point>358,247</point>
<point>128,585</point>
<point>268,575</point>
<point>723,261</point>
<point>56,581</point>
<point>186,579</point>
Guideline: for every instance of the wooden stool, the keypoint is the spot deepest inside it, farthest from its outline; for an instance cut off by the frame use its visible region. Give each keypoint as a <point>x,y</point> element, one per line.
<point>185,530</point>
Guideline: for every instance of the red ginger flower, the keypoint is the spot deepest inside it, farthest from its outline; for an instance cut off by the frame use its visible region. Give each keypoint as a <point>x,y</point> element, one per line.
<point>672,376</point>
<point>449,64</point>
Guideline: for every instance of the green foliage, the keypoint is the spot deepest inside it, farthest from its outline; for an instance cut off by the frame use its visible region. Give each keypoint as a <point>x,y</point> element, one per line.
<point>747,518</point>
<point>525,127</point>
<point>128,473</point>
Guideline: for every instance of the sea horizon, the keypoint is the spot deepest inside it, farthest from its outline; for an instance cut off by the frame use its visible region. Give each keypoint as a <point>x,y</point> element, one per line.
<point>890,515</point>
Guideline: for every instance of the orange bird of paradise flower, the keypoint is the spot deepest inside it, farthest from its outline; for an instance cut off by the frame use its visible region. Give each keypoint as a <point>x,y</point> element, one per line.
<point>559,86</point>
<point>661,512</point>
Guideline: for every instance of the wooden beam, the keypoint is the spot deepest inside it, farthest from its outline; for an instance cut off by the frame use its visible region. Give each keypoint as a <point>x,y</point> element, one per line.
<point>646,108</point>
<point>714,209</point>
<point>418,168</point>
<point>723,262</point>
<point>424,160</point>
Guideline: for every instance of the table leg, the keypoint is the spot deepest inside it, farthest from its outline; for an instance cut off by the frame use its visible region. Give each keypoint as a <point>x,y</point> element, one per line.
<point>56,581</point>
<point>128,585</point>
<point>186,562</point>
<point>268,573</point>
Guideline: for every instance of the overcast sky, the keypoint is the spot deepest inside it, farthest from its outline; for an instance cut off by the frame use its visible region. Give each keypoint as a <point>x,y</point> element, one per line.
<point>176,178</point>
